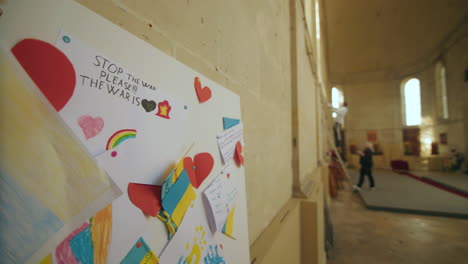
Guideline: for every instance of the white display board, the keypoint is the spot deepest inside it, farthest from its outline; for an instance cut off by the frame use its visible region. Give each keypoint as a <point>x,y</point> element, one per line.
<point>46,20</point>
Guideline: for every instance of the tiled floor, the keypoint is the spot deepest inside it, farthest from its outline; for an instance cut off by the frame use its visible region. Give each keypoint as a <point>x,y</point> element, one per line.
<point>364,236</point>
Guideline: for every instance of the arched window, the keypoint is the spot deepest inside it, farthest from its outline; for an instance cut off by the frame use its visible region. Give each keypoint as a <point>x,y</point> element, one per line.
<point>412,102</point>
<point>337,98</point>
<point>441,91</point>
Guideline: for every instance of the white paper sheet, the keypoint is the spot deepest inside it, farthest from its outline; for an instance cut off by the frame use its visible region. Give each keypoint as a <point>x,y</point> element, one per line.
<point>227,141</point>
<point>220,197</point>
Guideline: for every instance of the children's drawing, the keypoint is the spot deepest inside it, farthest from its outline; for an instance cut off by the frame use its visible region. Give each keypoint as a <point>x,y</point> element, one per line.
<point>41,60</point>
<point>91,126</point>
<point>164,108</point>
<point>20,213</point>
<point>176,202</point>
<point>148,105</point>
<point>65,253</point>
<point>119,137</point>
<point>140,253</point>
<point>46,260</point>
<point>203,93</point>
<point>228,228</point>
<point>214,256</point>
<point>89,243</point>
<point>220,198</point>
<point>46,176</point>
<point>196,248</point>
<point>101,228</point>
<point>194,243</point>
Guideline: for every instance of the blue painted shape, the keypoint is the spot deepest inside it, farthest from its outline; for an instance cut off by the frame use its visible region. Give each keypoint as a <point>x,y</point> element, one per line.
<point>213,256</point>
<point>229,122</point>
<point>82,246</point>
<point>25,223</point>
<point>167,184</point>
<point>176,193</point>
<point>136,254</point>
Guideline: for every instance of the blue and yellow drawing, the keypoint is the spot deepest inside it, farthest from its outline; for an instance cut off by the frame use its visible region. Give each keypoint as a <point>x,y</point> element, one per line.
<point>140,253</point>
<point>177,195</point>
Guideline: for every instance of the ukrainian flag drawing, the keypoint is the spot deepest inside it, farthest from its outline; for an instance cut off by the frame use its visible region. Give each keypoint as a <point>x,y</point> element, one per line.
<point>177,195</point>
<point>228,228</point>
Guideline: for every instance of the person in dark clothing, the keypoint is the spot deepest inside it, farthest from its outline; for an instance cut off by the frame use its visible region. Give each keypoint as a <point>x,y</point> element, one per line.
<point>366,167</point>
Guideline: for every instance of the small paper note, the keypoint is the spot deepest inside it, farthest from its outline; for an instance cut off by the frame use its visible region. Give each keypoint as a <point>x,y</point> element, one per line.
<point>221,196</point>
<point>227,141</point>
<point>229,122</point>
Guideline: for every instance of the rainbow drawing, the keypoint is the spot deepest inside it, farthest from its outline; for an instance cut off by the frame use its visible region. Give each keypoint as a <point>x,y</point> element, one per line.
<point>119,137</point>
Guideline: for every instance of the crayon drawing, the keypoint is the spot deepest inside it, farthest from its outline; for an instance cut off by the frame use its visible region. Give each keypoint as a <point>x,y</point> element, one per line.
<point>47,177</point>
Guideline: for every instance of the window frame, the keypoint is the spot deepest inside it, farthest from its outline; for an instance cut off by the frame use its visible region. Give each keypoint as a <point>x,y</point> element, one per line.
<point>340,98</point>
<point>403,100</point>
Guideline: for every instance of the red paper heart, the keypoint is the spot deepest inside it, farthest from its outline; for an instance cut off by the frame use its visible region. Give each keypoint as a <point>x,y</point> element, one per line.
<point>203,163</point>
<point>90,126</point>
<point>238,157</point>
<point>189,167</point>
<point>146,197</point>
<point>49,68</point>
<point>203,94</point>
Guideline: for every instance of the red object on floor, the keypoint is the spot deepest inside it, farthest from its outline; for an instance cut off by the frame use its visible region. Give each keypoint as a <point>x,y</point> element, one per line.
<point>437,185</point>
<point>399,165</point>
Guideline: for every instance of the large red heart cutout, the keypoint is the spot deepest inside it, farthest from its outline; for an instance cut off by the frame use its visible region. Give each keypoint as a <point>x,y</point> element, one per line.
<point>49,68</point>
<point>189,168</point>
<point>147,197</point>
<point>199,168</point>
<point>203,93</point>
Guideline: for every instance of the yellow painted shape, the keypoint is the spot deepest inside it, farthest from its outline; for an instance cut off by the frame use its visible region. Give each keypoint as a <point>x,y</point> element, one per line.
<point>195,255</point>
<point>183,205</point>
<point>38,150</point>
<point>46,260</point>
<point>229,225</point>
<point>101,228</point>
<point>150,258</point>
<point>178,170</point>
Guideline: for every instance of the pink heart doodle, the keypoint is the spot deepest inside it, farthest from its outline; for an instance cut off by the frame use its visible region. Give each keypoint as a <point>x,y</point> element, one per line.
<point>90,126</point>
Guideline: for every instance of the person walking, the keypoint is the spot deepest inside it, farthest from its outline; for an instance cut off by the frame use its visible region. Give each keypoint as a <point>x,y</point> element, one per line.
<point>366,167</point>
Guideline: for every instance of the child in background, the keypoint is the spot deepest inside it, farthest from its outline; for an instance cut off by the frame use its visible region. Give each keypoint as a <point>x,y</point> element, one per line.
<point>366,167</point>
